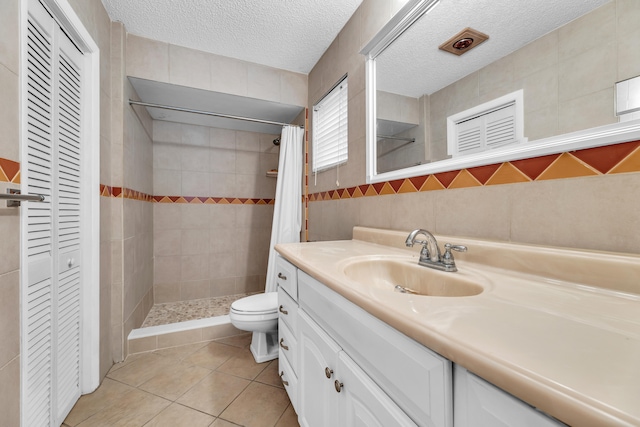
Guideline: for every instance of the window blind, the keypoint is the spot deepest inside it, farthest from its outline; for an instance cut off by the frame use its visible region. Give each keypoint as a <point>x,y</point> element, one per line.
<point>330,145</point>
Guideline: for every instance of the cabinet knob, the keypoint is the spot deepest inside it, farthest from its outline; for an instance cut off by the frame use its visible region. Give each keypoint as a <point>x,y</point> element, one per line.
<point>282,276</point>
<point>70,262</point>
<point>283,381</point>
<point>286,347</point>
<point>328,372</point>
<point>282,310</point>
<point>338,385</point>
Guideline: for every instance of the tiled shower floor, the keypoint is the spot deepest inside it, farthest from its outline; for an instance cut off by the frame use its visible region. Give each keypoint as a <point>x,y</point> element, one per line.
<point>181,311</point>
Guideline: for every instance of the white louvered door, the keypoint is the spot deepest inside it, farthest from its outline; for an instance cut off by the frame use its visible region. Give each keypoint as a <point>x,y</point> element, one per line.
<point>51,238</point>
<point>68,139</point>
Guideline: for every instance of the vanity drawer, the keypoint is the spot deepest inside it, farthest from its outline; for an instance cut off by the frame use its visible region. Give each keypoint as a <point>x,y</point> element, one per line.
<point>287,277</point>
<point>289,380</point>
<point>418,380</point>
<point>288,344</point>
<point>288,310</point>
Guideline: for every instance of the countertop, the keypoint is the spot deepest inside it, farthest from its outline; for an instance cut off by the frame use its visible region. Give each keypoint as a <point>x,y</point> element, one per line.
<point>571,350</point>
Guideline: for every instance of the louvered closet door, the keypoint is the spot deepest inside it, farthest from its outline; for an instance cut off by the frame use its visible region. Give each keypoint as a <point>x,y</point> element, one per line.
<point>68,138</point>
<point>37,374</point>
<point>51,240</point>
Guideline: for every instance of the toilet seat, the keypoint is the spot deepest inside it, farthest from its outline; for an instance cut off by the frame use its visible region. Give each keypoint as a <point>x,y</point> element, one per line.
<point>259,304</point>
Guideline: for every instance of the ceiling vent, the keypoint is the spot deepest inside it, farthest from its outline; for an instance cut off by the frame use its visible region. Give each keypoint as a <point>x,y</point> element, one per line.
<point>464,41</point>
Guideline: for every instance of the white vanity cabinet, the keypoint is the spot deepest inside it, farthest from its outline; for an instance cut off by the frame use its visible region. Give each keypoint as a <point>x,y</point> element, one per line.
<point>478,403</point>
<point>356,370</point>
<point>334,390</point>
<point>341,366</point>
<point>287,327</point>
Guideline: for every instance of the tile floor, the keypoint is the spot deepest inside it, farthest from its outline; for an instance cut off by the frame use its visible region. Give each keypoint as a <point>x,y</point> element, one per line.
<point>214,384</point>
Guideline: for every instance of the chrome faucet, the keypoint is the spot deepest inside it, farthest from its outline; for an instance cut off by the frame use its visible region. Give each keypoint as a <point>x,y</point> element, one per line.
<point>430,255</point>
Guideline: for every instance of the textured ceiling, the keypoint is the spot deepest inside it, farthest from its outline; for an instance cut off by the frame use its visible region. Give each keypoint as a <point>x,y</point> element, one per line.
<point>413,65</point>
<point>286,34</point>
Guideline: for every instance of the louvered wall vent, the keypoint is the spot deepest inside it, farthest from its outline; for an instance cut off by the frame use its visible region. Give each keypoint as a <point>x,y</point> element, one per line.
<point>494,124</point>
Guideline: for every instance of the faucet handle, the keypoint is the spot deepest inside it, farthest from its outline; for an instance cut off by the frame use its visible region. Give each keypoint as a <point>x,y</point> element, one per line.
<point>447,258</point>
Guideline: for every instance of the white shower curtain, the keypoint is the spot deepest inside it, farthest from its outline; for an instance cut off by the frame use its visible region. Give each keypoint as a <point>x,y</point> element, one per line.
<point>287,211</point>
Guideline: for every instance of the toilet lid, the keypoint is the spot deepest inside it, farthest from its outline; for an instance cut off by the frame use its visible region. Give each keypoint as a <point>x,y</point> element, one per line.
<point>259,303</point>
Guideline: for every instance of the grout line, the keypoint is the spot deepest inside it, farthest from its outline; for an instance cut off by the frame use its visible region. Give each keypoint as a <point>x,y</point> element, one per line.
<point>181,359</point>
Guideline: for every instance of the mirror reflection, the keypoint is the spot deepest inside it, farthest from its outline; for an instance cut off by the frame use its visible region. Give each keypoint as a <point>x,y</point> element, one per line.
<point>547,68</point>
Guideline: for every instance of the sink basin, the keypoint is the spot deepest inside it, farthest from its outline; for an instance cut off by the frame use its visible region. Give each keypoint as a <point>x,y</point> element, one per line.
<point>407,277</point>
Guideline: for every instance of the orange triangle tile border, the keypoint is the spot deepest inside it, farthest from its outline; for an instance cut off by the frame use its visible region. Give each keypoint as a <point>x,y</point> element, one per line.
<point>464,180</point>
<point>484,173</point>
<point>603,159</point>
<point>567,166</point>
<point>534,166</point>
<point>446,178</point>
<point>507,174</point>
<point>386,189</point>
<point>631,163</point>
<point>418,181</point>
<point>396,184</point>
<point>432,184</point>
<point>407,187</point>
<point>371,191</point>
<point>612,159</point>
<point>9,169</point>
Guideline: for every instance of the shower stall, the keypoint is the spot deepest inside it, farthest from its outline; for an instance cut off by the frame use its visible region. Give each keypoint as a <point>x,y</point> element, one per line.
<point>196,238</point>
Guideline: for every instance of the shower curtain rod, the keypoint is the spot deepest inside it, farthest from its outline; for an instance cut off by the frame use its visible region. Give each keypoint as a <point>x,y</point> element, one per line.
<point>209,113</point>
<point>397,137</point>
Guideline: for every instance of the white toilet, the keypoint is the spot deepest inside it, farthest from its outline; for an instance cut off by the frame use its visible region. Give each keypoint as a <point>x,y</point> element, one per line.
<point>258,314</point>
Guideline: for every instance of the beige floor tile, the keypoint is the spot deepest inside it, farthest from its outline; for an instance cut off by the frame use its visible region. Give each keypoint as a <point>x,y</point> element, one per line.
<point>181,352</point>
<point>288,419</point>
<point>259,405</point>
<point>213,355</point>
<point>242,365</point>
<point>130,359</point>
<point>141,370</point>
<point>214,393</point>
<point>242,341</point>
<point>108,394</point>
<point>175,380</point>
<point>178,415</point>
<point>135,410</point>
<point>222,423</point>
<point>270,375</point>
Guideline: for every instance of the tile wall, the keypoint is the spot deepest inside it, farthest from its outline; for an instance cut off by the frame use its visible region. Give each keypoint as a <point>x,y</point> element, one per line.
<point>168,63</point>
<point>593,210</point>
<point>9,219</point>
<point>213,210</point>
<point>137,216</point>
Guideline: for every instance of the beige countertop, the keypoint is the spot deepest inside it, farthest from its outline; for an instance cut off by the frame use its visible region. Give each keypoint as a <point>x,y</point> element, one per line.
<point>569,349</point>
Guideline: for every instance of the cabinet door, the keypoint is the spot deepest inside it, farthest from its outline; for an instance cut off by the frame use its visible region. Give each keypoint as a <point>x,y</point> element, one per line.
<point>318,357</point>
<point>414,377</point>
<point>361,403</point>
<point>480,404</point>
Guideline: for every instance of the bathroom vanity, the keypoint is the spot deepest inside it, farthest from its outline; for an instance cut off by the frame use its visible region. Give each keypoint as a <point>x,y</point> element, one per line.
<point>528,349</point>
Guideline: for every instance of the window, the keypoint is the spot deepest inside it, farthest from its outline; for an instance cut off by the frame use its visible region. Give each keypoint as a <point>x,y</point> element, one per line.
<point>330,145</point>
<point>491,125</point>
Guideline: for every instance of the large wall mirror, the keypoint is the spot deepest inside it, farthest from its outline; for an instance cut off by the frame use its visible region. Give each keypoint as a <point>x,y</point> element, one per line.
<point>542,83</point>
